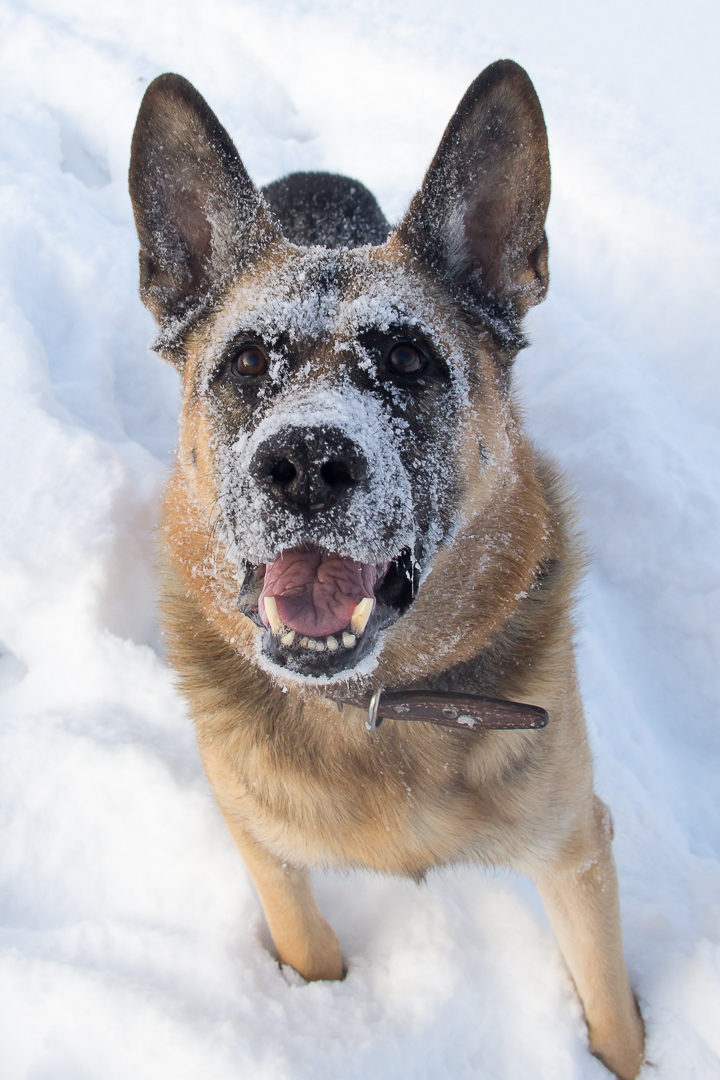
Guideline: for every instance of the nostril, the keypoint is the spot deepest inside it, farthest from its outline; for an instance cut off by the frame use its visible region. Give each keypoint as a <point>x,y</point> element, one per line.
<point>337,474</point>
<point>308,469</point>
<point>283,472</point>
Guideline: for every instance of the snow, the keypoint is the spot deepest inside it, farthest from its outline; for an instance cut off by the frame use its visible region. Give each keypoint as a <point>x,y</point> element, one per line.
<point>132,941</point>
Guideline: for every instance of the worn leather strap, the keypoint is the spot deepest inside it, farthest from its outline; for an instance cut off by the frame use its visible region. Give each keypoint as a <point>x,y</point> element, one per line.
<point>464,712</point>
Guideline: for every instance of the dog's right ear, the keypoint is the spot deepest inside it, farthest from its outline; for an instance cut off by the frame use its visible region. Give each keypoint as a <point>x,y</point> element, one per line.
<point>478,219</point>
<point>199,216</point>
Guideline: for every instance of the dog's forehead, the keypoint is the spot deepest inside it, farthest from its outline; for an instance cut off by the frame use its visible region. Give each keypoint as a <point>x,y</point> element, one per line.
<point>322,295</point>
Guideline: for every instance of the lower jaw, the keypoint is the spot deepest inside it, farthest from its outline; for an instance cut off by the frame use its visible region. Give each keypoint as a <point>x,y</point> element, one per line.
<point>324,658</point>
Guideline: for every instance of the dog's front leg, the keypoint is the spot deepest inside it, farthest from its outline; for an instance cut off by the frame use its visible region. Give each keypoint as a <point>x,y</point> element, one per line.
<point>302,937</point>
<point>580,894</point>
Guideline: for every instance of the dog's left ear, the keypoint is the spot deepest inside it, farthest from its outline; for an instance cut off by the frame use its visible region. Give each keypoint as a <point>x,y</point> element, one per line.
<point>479,217</point>
<point>199,216</point>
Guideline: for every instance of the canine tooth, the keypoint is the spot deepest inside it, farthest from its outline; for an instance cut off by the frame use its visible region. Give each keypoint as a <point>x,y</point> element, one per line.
<point>272,613</point>
<point>332,644</point>
<point>287,639</point>
<point>348,640</point>
<point>361,614</point>
<point>304,642</point>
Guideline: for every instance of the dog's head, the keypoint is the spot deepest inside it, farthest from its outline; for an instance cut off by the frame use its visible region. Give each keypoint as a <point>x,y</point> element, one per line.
<point>346,421</point>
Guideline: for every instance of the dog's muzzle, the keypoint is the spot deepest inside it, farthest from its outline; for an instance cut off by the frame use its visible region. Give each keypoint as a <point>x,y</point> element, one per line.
<point>330,508</point>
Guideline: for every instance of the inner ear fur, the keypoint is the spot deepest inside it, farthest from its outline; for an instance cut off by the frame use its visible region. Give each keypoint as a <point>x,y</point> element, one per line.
<point>199,217</point>
<point>479,217</point>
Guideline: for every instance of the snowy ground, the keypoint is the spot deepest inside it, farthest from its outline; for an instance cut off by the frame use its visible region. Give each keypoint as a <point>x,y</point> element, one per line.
<point>132,942</point>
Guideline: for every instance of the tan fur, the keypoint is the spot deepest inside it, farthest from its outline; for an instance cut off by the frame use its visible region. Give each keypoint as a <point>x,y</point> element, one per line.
<point>301,784</point>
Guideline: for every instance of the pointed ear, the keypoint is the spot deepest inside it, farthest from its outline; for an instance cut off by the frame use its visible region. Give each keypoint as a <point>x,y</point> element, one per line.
<point>198,215</point>
<point>479,217</point>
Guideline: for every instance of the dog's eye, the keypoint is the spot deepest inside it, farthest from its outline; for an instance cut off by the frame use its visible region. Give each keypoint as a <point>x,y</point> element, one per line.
<point>405,360</point>
<point>248,361</point>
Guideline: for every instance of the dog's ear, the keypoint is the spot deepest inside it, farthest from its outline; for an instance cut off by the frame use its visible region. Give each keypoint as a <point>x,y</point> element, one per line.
<point>198,215</point>
<point>479,216</point>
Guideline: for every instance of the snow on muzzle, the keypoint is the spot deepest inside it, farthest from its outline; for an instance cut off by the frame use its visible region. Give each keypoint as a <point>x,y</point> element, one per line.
<point>322,472</point>
<point>317,505</point>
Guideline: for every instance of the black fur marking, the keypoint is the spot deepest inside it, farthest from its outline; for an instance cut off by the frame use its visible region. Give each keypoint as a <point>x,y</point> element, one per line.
<point>326,209</point>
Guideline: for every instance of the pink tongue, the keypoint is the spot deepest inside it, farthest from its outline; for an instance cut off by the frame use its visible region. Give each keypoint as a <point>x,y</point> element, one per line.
<point>316,593</point>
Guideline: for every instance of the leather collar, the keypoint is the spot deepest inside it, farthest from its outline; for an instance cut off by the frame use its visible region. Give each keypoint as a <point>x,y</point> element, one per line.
<point>464,712</point>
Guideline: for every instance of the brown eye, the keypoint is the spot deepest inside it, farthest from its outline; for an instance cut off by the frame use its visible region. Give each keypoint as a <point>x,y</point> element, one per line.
<point>249,361</point>
<point>405,360</point>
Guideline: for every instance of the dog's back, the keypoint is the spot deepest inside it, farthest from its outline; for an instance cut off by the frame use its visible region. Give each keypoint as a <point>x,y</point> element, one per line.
<point>326,209</point>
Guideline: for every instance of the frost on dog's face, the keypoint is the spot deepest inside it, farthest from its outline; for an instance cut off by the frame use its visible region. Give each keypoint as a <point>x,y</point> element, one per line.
<point>334,390</point>
<point>347,405</point>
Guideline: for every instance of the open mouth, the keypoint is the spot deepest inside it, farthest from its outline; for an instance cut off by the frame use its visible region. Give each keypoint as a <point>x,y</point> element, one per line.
<point>321,612</point>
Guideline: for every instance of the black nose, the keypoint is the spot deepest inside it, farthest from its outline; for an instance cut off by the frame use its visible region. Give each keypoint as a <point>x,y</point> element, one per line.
<point>308,469</point>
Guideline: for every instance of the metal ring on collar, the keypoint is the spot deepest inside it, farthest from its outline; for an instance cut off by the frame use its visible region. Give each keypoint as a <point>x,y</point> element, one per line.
<point>372,723</point>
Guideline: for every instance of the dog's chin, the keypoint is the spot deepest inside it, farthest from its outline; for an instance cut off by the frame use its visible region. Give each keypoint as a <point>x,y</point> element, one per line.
<point>311,658</point>
<point>333,657</point>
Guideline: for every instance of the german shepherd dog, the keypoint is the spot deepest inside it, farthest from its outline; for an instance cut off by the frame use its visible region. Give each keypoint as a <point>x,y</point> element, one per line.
<point>355,508</point>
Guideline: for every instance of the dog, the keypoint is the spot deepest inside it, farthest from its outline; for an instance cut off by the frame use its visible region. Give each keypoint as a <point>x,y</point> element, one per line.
<point>356,518</point>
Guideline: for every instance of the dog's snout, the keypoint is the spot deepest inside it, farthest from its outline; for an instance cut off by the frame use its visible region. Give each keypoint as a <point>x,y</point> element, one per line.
<point>308,469</point>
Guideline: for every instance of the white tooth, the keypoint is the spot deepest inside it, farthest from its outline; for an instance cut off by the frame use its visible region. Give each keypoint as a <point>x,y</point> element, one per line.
<point>304,642</point>
<point>361,614</point>
<point>348,640</point>
<point>311,643</point>
<point>272,613</point>
<point>332,644</point>
<point>287,639</point>
<point>319,646</point>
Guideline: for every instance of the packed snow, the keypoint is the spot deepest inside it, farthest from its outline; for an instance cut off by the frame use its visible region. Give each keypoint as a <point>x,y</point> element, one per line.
<point>132,941</point>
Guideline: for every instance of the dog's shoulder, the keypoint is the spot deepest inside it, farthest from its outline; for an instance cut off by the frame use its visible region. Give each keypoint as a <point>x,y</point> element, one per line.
<point>326,209</point>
